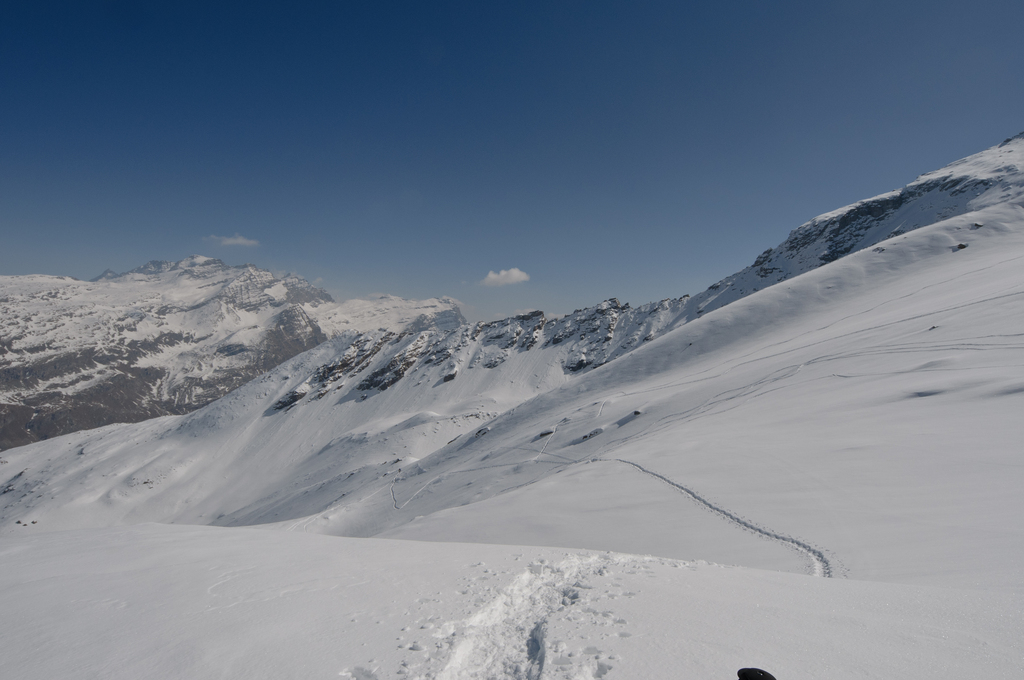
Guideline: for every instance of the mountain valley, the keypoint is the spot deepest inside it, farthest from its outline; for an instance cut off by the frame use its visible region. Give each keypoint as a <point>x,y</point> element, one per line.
<point>536,497</point>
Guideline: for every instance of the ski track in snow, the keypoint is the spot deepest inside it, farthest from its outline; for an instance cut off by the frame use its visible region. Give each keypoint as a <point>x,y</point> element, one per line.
<point>820,564</point>
<point>306,521</point>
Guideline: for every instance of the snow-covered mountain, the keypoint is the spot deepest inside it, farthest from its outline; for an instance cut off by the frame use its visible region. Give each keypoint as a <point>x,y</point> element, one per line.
<point>844,410</point>
<point>988,178</point>
<point>164,338</point>
<point>410,412</point>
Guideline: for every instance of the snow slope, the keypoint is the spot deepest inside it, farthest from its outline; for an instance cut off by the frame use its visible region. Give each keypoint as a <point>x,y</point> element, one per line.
<point>852,429</point>
<point>868,409</point>
<point>164,338</point>
<point>156,601</point>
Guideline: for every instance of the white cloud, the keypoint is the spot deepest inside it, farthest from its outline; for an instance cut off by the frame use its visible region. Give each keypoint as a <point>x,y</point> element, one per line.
<point>505,277</point>
<point>236,240</point>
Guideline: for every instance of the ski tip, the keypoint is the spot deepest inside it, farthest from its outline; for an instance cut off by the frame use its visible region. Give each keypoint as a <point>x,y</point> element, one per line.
<point>754,674</point>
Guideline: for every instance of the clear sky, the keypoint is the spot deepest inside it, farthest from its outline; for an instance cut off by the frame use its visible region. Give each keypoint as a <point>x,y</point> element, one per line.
<point>640,150</point>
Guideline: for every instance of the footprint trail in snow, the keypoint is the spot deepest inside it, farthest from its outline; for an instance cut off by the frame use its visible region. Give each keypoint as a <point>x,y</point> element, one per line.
<point>549,621</point>
<point>821,565</point>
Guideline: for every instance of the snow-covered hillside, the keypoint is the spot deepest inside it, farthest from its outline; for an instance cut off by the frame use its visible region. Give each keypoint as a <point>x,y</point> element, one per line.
<point>164,338</point>
<point>854,425</point>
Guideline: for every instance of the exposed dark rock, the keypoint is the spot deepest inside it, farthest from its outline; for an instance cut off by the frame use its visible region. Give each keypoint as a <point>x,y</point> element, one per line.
<point>763,257</point>
<point>578,365</point>
<point>232,350</point>
<point>844,233</point>
<point>388,375</point>
<point>1011,139</point>
<point>289,399</point>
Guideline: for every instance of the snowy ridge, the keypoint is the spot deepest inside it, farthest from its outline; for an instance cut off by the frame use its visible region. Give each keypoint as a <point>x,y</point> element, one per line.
<point>166,337</point>
<point>987,178</point>
<point>587,338</point>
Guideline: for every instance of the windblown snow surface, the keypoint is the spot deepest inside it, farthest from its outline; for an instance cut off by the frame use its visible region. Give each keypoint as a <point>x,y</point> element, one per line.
<point>848,438</point>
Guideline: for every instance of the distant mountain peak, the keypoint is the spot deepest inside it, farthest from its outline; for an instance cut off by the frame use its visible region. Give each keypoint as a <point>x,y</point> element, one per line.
<point>165,337</point>
<point>106,275</point>
<point>189,264</point>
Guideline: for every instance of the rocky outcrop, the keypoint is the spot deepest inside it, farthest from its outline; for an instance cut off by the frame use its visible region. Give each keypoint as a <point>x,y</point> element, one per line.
<point>580,341</point>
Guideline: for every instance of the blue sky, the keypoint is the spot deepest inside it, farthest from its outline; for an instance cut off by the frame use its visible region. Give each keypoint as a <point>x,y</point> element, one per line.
<point>639,150</point>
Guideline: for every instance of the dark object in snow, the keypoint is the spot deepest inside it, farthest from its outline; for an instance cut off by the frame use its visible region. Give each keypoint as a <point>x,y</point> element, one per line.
<point>288,400</point>
<point>754,674</point>
<point>959,246</point>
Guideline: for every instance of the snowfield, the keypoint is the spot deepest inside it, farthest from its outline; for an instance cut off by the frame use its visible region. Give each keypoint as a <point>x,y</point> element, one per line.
<point>158,601</point>
<point>848,438</point>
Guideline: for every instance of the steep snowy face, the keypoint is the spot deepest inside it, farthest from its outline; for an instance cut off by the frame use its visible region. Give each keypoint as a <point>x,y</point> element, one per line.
<point>988,178</point>
<point>164,338</point>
